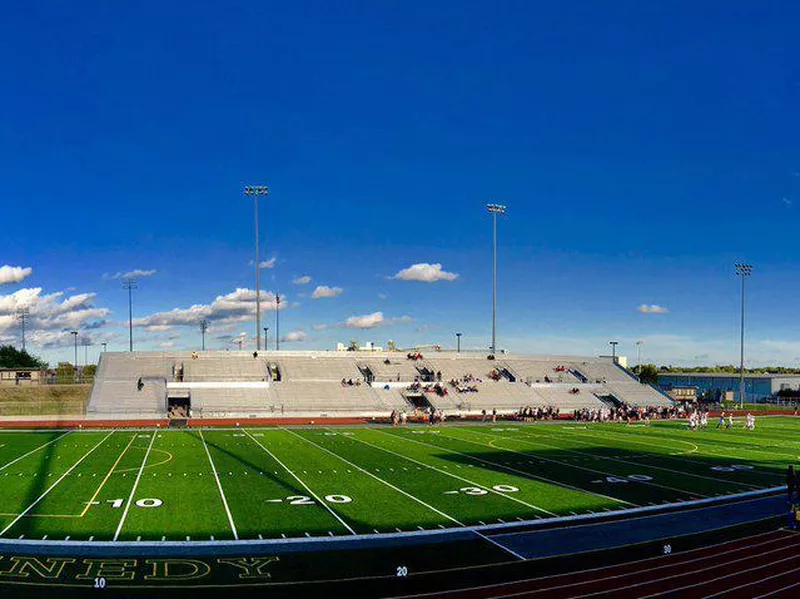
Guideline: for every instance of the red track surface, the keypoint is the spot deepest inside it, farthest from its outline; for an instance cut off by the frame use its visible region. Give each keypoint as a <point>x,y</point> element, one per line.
<point>764,565</point>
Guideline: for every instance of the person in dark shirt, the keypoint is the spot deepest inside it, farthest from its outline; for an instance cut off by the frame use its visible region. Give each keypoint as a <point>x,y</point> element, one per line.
<point>791,482</point>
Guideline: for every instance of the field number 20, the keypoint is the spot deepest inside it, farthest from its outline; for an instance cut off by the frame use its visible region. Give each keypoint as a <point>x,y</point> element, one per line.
<point>636,478</point>
<point>304,500</point>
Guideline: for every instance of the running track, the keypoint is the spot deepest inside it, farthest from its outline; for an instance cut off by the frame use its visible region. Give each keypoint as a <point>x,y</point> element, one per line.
<point>765,565</point>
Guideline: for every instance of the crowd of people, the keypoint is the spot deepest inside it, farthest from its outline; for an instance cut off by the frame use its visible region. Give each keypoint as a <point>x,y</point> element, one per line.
<point>531,414</point>
<point>436,388</point>
<point>351,382</point>
<point>626,413</point>
<point>465,384</point>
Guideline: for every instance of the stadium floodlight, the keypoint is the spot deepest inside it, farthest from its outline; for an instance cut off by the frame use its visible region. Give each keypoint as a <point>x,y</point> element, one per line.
<point>639,345</point>
<point>23,315</point>
<point>86,342</point>
<point>744,271</point>
<point>614,345</point>
<point>105,346</point>
<point>256,191</point>
<point>458,343</point>
<point>203,329</point>
<point>129,285</point>
<point>266,331</point>
<point>494,210</point>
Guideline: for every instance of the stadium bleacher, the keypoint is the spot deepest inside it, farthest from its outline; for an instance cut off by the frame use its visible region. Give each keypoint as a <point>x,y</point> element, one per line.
<point>226,383</point>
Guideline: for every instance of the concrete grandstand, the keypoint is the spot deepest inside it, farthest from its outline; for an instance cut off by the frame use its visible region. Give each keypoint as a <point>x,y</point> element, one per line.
<point>224,384</point>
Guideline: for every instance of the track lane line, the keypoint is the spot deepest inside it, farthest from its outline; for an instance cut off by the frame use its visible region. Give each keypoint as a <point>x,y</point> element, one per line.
<point>219,486</point>
<point>135,484</point>
<point>378,478</point>
<point>55,484</point>
<point>297,478</point>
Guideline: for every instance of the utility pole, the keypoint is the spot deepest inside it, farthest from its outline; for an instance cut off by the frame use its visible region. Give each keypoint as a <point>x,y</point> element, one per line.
<point>277,322</point>
<point>744,271</point>
<point>130,284</point>
<point>75,336</point>
<point>203,329</point>
<point>255,191</point>
<point>494,210</point>
<point>23,315</point>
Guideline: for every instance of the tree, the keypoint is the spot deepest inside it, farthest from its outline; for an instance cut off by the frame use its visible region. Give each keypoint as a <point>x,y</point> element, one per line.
<point>648,374</point>
<point>11,357</point>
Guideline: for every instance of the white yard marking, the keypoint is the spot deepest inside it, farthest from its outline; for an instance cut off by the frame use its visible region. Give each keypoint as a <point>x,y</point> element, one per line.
<point>388,484</point>
<point>135,484</point>
<point>54,485</point>
<point>305,486</point>
<point>456,476</point>
<point>219,486</point>
<point>34,450</point>
<point>510,469</point>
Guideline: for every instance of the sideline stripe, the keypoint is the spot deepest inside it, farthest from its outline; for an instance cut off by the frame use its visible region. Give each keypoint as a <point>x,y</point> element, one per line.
<point>297,478</point>
<point>105,480</point>
<point>135,484</point>
<point>466,480</point>
<point>34,450</point>
<point>53,486</point>
<point>378,478</point>
<point>524,473</point>
<point>219,486</point>
<point>603,472</point>
<point>501,546</point>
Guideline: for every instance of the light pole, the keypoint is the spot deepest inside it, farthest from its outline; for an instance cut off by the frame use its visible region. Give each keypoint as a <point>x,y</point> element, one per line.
<point>23,315</point>
<point>105,346</point>
<point>744,271</point>
<point>613,345</point>
<point>494,210</point>
<point>75,336</point>
<point>86,343</point>
<point>639,359</point>
<point>458,342</point>
<point>277,322</point>
<point>239,341</point>
<point>266,346</point>
<point>255,191</point>
<point>129,285</point>
<point>203,329</point>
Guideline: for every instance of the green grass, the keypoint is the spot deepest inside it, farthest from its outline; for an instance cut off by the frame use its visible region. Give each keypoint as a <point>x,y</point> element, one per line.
<point>275,482</point>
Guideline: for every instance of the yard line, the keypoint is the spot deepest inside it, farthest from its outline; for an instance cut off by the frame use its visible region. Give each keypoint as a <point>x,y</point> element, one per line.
<point>219,486</point>
<point>34,450</point>
<point>466,480</point>
<point>102,484</point>
<point>53,486</point>
<point>378,478</point>
<point>496,544</point>
<point>135,484</point>
<point>509,468</point>
<point>538,457</point>
<point>622,461</point>
<point>665,457</point>
<point>305,486</point>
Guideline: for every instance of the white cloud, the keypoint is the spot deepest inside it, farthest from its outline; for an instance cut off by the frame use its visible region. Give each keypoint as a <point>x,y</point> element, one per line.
<point>325,291</point>
<point>371,321</point>
<point>136,273</point>
<point>14,274</point>
<point>295,336</point>
<point>304,280</point>
<point>268,263</point>
<point>237,306</point>
<point>426,273</point>
<point>319,327</point>
<point>166,344</point>
<point>652,309</point>
<point>52,312</point>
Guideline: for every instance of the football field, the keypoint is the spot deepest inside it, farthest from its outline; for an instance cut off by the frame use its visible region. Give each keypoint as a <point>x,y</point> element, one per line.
<point>262,483</point>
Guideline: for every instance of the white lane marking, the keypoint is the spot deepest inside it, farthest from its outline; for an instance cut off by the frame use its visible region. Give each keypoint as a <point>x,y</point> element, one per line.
<point>219,486</point>
<point>135,484</point>
<point>305,486</point>
<point>378,478</point>
<point>466,480</point>
<point>496,544</point>
<point>34,450</point>
<point>55,484</point>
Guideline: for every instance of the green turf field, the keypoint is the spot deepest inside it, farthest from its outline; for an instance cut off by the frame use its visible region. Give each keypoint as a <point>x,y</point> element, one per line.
<point>252,483</point>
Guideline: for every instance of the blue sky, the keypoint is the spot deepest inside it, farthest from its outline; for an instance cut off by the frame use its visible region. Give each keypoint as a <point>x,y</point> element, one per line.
<point>641,149</point>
